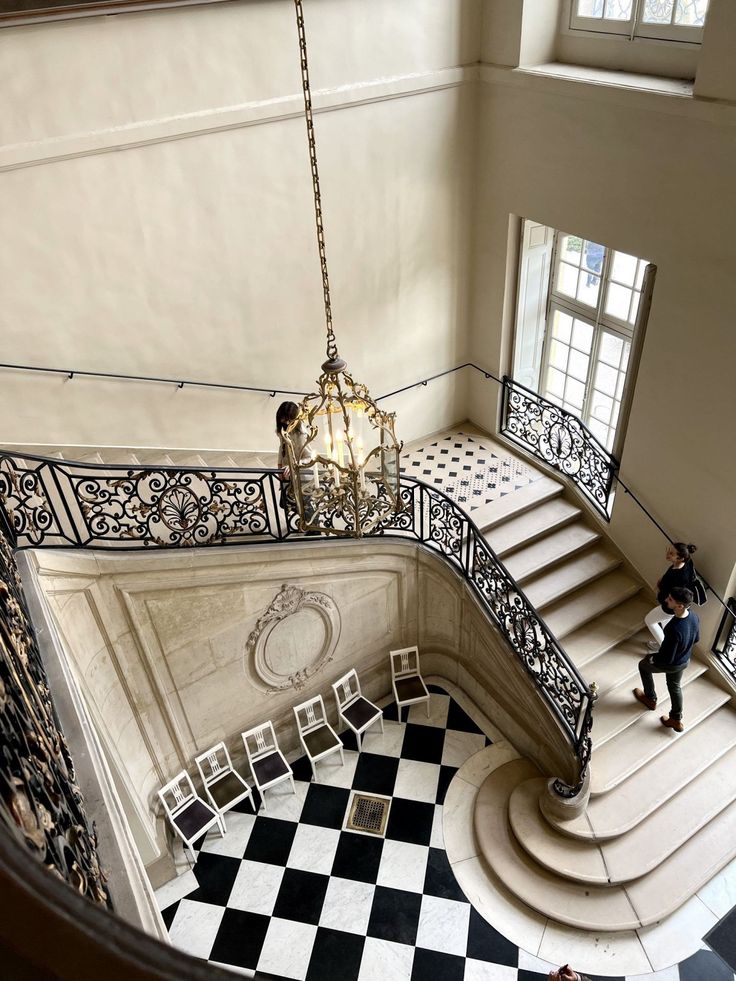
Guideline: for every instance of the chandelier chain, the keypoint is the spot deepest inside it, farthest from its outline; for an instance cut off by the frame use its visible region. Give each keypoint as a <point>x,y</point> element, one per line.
<point>306,89</point>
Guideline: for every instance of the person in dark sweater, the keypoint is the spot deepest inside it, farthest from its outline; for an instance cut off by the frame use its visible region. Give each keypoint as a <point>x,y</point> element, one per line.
<point>681,572</point>
<point>680,634</point>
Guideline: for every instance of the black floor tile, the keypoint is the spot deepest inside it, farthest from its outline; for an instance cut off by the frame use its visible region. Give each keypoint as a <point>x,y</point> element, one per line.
<point>437,966</point>
<point>705,965</point>
<point>458,718</point>
<point>357,857</point>
<point>395,915</point>
<point>270,841</point>
<point>349,739</point>
<point>335,956</point>
<point>446,775</point>
<point>436,690</point>
<point>301,896</point>
<point>376,774</point>
<point>722,939</point>
<point>391,712</point>
<point>487,944</point>
<point>423,743</point>
<point>325,806</point>
<point>440,880</point>
<point>410,820</point>
<point>215,875</point>
<point>302,770</point>
<point>240,938</point>
<point>168,914</point>
<point>246,807</point>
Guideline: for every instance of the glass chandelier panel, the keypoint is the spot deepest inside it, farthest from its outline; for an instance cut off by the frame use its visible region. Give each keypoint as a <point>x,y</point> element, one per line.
<point>342,449</point>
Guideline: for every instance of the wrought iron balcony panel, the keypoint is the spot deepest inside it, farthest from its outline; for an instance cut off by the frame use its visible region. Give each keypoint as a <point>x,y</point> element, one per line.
<point>561,440</point>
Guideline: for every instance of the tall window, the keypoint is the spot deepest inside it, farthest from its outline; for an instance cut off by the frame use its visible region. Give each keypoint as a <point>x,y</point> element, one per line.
<point>580,307</point>
<point>673,20</point>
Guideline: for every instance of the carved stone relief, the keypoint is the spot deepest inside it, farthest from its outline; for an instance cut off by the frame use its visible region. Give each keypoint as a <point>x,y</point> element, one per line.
<point>293,639</point>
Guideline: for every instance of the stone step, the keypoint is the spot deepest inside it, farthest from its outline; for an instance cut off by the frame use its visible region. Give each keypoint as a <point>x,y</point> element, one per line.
<point>550,550</point>
<point>612,814</point>
<point>607,630</point>
<point>119,457</point>
<point>86,457</point>
<point>578,571</point>
<point>618,758</point>
<point>581,905</point>
<point>631,855</point>
<point>531,525</point>
<point>258,461</point>
<point>617,666</point>
<point>542,489</point>
<point>218,459</point>
<point>154,458</point>
<point>702,856</point>
<point>185,459</point>
<point>619,709</point>
<point>585,605</point>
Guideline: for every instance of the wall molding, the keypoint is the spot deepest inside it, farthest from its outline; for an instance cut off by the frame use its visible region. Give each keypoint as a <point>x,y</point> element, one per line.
<point>15,156</point>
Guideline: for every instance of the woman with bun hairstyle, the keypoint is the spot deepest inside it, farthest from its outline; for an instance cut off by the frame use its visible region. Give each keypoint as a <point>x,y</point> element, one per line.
<point>681,572</point>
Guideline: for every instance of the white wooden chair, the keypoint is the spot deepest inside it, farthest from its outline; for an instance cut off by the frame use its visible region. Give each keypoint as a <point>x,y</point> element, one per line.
<point>189,815</point>
<point>317,736</point>
<point>355,711</point>
<point>267,763</point>
<point>222,783</point>
<point>406,679</point>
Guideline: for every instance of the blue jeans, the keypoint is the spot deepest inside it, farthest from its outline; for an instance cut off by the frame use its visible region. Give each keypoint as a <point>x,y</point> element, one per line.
<point>673,677</point>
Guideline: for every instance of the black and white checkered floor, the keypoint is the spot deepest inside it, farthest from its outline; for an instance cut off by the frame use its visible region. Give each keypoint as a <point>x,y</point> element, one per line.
<point>287,894</point>
<point>467,469</point>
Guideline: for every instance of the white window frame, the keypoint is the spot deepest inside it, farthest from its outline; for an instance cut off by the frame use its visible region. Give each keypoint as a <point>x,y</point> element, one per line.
<point>634,27</point>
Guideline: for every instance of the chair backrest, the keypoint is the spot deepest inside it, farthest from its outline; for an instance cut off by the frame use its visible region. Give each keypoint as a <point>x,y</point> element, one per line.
<point>404,662</point>
<point>260,741</point>
<point>347,688</point>
<point>178,793</point>
<point>213,763</point>
<point>311,714</point>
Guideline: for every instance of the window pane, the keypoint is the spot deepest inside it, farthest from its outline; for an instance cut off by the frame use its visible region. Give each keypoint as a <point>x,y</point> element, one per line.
<point>590,8</point>
<point>601,432</point>
<point>574,393</point>
<point>588,286</point>
<point>562,326</point>
<point>640,273</point>
<point>618,9</point>
<point>618,300</point>
<point>691,12</point>
<point>558,355</point>
<point>567,279</point>
<point>658,11</point>
<point>555,382</point>
<point>602,407</point>
<point>624,268</point>
<point>594,254</point>
<point>582,336</point>
<point>610,349</point>
<point>634,308</point>
<point>605,380</point>
<point>571,247</point>
<point>578,365</point>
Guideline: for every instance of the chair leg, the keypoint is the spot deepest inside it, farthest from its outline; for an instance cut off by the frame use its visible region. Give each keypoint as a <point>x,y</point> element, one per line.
<point>359,742</point>
<point>382,729</point>
<point>314,770</point>
<point>293,785</point>
<point>427,708</point>
<point>221,824</point>
<point>253,802</point>
<point>342,755</point>
<point>263,799</point>
<point>192,854</point>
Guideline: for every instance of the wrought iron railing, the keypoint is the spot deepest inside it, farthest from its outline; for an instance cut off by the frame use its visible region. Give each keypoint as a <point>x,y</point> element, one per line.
<point>53,503</point>
<point>561,440</point>
<point>724,645</point>
<point>40,803</point>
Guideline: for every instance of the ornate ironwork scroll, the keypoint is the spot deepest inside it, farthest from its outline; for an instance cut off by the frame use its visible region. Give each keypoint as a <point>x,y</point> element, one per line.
<point>560,439</point>
<point>724,646</point>
<point>40,802</point>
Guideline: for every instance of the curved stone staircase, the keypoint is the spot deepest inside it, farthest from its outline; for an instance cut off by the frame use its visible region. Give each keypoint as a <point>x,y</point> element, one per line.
<point>133,456</point>
<point>661,820</point>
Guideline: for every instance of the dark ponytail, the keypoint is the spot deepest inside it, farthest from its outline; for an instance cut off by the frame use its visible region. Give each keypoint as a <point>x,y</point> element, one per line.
<point>285,415</point>
<point>684,551</point>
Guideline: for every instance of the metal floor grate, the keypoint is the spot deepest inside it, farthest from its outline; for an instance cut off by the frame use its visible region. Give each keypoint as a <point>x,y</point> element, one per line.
<point>368,813</point>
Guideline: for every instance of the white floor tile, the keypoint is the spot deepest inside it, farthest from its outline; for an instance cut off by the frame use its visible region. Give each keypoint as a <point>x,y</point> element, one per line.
<point>443,925</point>
<point>174,890</point>
<point>719,894</point>
<point>347,905</point>
<point>483,971</point>
<point>670,974</point>
<point>282,803</point>
<point>679,935</point>
<point>239,827</point>
<point>437,840</point>
<point>256,887</point>
<point>195,927</point>
<point>388,743</point>
<point>528,962</point>
<point>457,823</point>
<point>287,948</point>
<point>594,953</point>
<point>333,774</point>
<point>385,961</point>
<point>439,706</point>
<point>417,781</point>
<point>460,746</point>
<point>403,866</point>
<point>313,849</point>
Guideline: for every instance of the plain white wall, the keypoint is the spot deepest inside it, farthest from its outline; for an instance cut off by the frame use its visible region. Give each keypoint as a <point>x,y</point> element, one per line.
<point>193,255</point>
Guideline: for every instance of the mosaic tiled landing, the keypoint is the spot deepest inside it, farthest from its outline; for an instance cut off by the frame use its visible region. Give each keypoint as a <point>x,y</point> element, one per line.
<point>467,470</point>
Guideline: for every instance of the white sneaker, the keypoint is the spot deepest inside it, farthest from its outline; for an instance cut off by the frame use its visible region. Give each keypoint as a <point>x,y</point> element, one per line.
<point>652,646</point>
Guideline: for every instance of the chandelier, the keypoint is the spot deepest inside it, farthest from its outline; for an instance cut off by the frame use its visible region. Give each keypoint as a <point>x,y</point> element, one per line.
<point>342,452</point>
